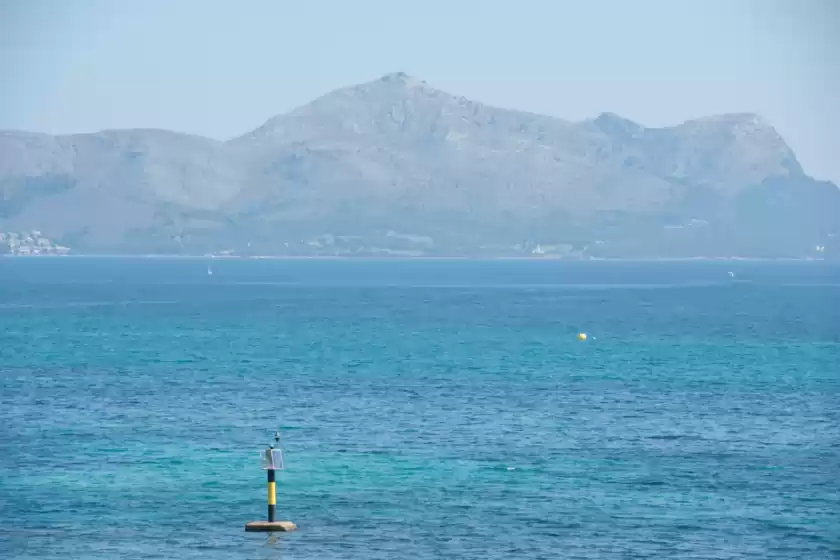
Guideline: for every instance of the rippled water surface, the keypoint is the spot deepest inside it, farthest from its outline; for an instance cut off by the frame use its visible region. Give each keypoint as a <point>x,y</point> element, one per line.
<point>431,409</point>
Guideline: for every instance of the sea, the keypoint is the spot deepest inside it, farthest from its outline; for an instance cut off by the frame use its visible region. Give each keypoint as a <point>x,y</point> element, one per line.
<point>426,408</point>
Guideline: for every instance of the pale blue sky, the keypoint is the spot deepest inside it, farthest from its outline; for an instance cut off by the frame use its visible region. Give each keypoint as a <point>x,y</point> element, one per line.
<point>221,68</point>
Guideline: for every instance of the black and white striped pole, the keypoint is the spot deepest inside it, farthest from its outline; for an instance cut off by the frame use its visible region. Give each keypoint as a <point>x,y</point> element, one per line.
<point>272,460</point>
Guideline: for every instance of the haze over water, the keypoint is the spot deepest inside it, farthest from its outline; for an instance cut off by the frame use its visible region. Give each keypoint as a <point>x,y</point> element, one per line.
<point>430,409</point>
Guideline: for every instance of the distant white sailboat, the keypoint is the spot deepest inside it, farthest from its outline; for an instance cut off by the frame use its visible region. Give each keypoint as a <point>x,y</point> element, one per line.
<point>732,274</point>
<point>209,271</point>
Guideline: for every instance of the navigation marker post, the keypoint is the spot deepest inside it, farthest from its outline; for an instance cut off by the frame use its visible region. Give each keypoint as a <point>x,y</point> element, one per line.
<point>272,461</point>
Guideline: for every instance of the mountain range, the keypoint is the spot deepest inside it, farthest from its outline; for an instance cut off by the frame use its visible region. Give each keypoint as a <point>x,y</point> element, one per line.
<point>397,167</point>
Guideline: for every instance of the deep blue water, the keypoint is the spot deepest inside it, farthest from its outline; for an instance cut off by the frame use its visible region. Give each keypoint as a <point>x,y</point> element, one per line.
<point>431,409</point>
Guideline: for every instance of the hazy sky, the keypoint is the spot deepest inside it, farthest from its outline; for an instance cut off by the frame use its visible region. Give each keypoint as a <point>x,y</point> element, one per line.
<point>221,68</point>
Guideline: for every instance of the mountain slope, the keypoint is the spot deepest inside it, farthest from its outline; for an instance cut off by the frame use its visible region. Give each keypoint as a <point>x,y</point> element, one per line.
<point>396,166</point>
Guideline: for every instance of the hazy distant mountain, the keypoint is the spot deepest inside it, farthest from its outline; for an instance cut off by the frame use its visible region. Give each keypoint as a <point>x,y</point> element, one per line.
<point>397,167</point>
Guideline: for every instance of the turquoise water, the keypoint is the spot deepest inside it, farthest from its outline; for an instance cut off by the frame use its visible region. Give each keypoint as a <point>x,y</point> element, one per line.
<point>431,409</point>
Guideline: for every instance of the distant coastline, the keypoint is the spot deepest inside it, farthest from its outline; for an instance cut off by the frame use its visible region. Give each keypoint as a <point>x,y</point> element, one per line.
<point>483,182</point>
<point>407,258</point>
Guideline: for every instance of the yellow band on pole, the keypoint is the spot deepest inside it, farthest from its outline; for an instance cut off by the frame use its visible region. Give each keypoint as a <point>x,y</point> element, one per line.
<point>272,498</point>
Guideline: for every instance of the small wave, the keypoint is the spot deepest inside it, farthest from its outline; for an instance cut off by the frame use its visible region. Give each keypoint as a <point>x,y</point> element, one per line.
<point>674,437</point>
<point>77,304</point>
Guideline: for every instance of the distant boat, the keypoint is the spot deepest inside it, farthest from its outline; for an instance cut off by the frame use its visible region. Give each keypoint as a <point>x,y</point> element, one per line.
<point>731,274</point>
<point>209,271</point>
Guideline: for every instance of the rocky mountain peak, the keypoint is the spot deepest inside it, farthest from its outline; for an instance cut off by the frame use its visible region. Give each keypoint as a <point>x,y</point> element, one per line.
<point>615,125</point>
<point>402,79</point>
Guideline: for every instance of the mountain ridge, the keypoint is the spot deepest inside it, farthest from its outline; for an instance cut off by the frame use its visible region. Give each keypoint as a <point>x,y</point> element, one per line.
<point>397,155</point>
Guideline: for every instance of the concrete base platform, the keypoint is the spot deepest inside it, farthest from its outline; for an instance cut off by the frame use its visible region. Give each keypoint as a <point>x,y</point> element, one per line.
<point>270,526</point>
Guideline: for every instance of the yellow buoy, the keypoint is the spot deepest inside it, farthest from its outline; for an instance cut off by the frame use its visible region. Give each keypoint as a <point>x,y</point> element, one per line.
<point>581,336</point>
